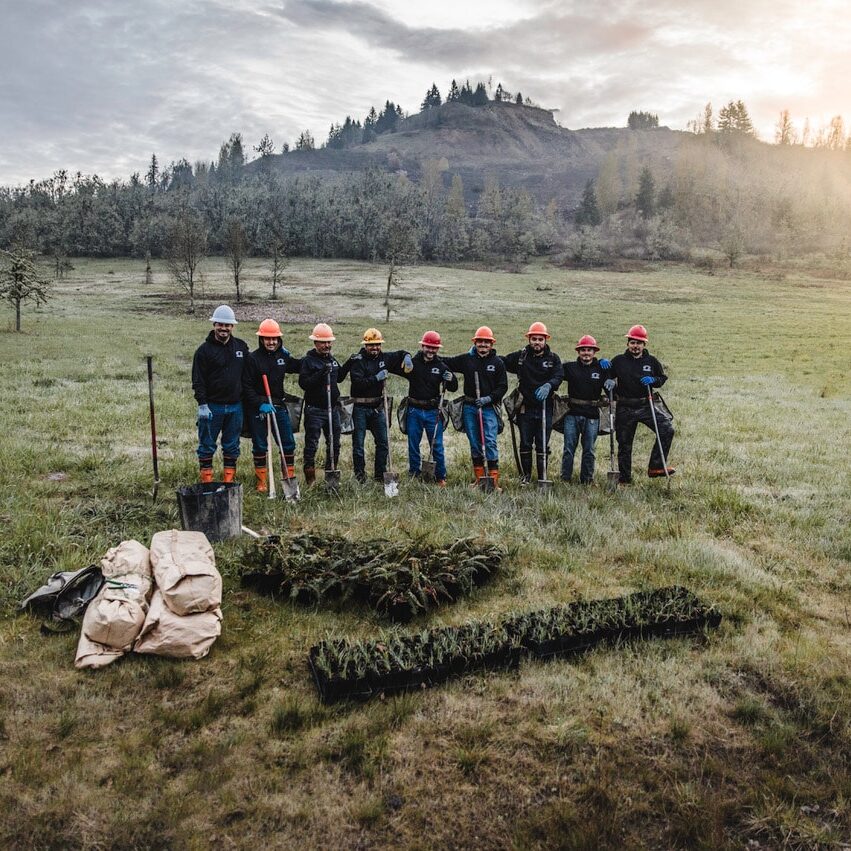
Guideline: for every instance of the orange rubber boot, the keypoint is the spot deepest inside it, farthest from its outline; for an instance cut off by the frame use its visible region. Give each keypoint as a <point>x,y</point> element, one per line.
<point>229,474</point>
<point>205,475</point>
<point>260,474</point>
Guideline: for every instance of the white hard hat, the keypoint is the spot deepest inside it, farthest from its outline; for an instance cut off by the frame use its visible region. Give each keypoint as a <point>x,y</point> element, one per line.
<point>224,315</point>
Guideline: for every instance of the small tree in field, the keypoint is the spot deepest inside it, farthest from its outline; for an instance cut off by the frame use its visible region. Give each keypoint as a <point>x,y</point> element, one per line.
<point>186,248</point>
<point>236,247</point>
<point>278,261</point>
<point>20,280</point>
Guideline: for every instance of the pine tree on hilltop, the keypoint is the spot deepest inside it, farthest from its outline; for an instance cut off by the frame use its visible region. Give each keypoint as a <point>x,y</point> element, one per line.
<point>432,98</point>
<point>454,94</point>
<point>480,96</point>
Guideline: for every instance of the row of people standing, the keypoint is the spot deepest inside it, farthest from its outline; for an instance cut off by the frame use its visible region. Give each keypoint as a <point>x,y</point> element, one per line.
<point>225,374</point>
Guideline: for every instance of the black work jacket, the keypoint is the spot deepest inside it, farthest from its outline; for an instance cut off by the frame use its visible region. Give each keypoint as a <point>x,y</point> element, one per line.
<point>493,380</point>
<point>362,369</point>
<point>426,377</point>
<point>585,382</point>
<point>629,371</point>
<point>535,370</point>
<point>274,365</point>
<point>217,371</point>
<point>312,379</point>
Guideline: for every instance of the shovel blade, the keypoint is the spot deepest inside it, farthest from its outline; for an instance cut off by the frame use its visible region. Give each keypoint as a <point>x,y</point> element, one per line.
<point>391,484</point>
<point>545,485</point>
<point>485,483</point>
<point>613,477</point>
<point>289,488</point>
<point>332,480</point>
<point>427,471</point>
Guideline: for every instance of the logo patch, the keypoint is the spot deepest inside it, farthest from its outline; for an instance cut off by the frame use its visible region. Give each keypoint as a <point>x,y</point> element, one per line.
<point>239,354</point>
<point>595,375</point>
<point>646,368</point>
<point>435,370</point>
<point>281,362</point>
<point>548,364</point>
<point>491,368</point>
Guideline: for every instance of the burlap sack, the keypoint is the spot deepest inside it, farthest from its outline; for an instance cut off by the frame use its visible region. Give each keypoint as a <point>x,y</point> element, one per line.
<point>90,654</point>
<point>178,636</point>
<point>184,567</point>
<point>127,557</point>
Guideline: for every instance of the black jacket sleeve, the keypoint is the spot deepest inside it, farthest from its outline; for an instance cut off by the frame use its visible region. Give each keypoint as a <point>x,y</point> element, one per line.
<point>452,384</point>
<point>251,384</point>
<point>311,375</point>
<point>658,372</point>
<point>199,386</point>
<point>510,360</point>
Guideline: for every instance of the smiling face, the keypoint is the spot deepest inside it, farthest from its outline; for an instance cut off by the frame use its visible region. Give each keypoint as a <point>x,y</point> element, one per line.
<point>222,331</point>
<point>586,354</point>
<point>537,342</point>
<point>429,352</point>
<point>483,347</point>
<point>322,346</point>
<point>373,349</point>
<point>271,344</point>
<point>636,347</point>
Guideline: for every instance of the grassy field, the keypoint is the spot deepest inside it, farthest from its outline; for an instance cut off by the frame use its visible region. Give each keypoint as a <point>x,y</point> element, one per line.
<point>741,738</point>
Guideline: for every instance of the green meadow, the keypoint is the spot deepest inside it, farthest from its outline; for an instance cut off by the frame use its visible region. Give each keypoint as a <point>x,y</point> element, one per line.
<point>741,735</point>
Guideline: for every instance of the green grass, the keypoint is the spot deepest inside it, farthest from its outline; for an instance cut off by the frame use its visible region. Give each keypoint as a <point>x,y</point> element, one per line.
<point>740,735</point>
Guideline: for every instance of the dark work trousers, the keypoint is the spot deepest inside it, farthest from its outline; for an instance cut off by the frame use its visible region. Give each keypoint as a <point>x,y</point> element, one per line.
<point>626,422</point>
<point>532,440</point>
<point>368,418</point>
<point>316,424</point>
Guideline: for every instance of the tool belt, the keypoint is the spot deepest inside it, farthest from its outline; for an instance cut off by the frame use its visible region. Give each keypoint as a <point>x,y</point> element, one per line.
<point>425,404</point>
<point>584,403</point>
<point>371,401</point>
<point>633,401</point>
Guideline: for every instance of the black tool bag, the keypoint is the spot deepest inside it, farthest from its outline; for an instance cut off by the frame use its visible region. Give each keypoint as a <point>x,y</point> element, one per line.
<point>64,597</point>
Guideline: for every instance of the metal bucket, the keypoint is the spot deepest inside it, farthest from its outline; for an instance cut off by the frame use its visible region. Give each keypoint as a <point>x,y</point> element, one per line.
<point>214,508</point>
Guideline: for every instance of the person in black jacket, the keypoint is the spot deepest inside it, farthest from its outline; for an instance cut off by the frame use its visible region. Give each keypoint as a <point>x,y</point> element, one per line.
<point>217,385</point>
<point>585,377</point>
<point>483,361</point>
<point>368,370</point>
<point>540,372</point>
<point>636,371</point>
<point>318,369</point>
<point>271,359</point>
<point>425,382</point>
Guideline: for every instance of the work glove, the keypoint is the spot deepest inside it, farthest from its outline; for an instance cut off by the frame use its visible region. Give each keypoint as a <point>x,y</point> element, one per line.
<point>381,375</point>
<point>482,401</point>
<point>447,376</point>
<point>647,380</point>
<point>609,385</point>
<point>407,363</point>
<point>266,408</point>
<point>605,363</point>
<point>204,412</point>
<point>542,392</point>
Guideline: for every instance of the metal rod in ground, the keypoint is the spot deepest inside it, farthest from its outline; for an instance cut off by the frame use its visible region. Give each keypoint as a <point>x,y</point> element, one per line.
<point>614,475</point>
<point>332,476</point>
<point>484,482</point>
<point>391,479</point>
<point>150,360</point>
<point>658,437</point>
<point>544,484</point>
<point>289,484</point>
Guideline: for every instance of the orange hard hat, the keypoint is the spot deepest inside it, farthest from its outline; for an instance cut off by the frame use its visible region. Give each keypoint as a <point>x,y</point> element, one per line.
<point>484,333</point>
<point>637,332</point>
<point>587,342</point>
<point>538,329</point>
<point>372,335</point>
<point>431,338</point>
<point>269,328</point>
<point>322,333</point>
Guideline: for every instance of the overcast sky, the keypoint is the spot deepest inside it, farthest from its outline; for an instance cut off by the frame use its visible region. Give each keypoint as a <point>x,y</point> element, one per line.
<point>98,85</point>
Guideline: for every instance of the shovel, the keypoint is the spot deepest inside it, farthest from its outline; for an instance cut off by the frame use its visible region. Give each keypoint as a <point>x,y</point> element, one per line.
<point>658,437</point>
<point>269,463</point>
<point>427,468</point>
<point>613,476</point>
<point>150,360</point>
<point>484,482</point>
<point>289,484</point>
<point>544,485</point>
<point>391,479</point>
<point>332,476</point>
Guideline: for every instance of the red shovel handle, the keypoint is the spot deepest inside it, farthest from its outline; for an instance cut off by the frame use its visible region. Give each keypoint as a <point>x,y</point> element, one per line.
<point>266,386</point>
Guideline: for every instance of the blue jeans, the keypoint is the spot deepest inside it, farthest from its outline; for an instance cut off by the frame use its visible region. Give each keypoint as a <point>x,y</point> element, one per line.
<point>471,427</point>
<point>575,427</point>
<point>227,421</point>
<point>366,418</point>
<point>257,422</point>
<point>424,420</point>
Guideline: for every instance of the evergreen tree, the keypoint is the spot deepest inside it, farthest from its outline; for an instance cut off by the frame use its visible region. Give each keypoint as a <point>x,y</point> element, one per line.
<point>454,94</point>
<point>265,147</point>
<point>588,212</point>
<point>455,238</point>
<point>645,200</point>
<point>20,280</point>
<point>480,96</point>
<point>519,99</point>
<point>432,98</point>
<point>305,141</point>
<point>642,121</point>
<point>153,174</point>
<point>466,94</point>
<point>498,95</point>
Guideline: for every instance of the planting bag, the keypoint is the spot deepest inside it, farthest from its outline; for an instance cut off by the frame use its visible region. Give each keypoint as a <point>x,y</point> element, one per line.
<point>184,567</point>
<point>127,557</point>
<point>178,636</point>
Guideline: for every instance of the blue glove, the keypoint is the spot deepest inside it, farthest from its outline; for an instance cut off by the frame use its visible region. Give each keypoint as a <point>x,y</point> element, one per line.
<point>285,351</point>
<point>407,363</point>
<point>204,412</point>
<point>482,401</point>
<point>605,363</point>
<point>447,376</point>
<point>647,380</point>
<point>542,392</point>
<point>609,385</point>
<point>381,375</point>
<point>266,408</point>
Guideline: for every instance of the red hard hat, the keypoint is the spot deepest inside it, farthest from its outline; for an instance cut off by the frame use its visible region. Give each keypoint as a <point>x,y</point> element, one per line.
<point>538,328</point>
<point>269,328</point>
<point>484,333</point>
<point>431,338</point>
<point>322,332</point>
<point>587,342</point>
<point>637,332</point>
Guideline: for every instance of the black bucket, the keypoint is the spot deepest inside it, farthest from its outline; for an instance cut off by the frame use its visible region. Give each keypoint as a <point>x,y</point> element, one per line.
<point>214,508</point>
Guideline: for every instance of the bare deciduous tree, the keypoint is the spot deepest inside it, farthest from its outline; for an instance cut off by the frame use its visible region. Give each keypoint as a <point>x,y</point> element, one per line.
<point>20,280</point>
<point>185,249</point>
<point>236,246</point>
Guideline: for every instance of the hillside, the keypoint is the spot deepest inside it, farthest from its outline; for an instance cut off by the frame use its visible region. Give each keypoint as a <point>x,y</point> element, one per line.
<point>520,145</point>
